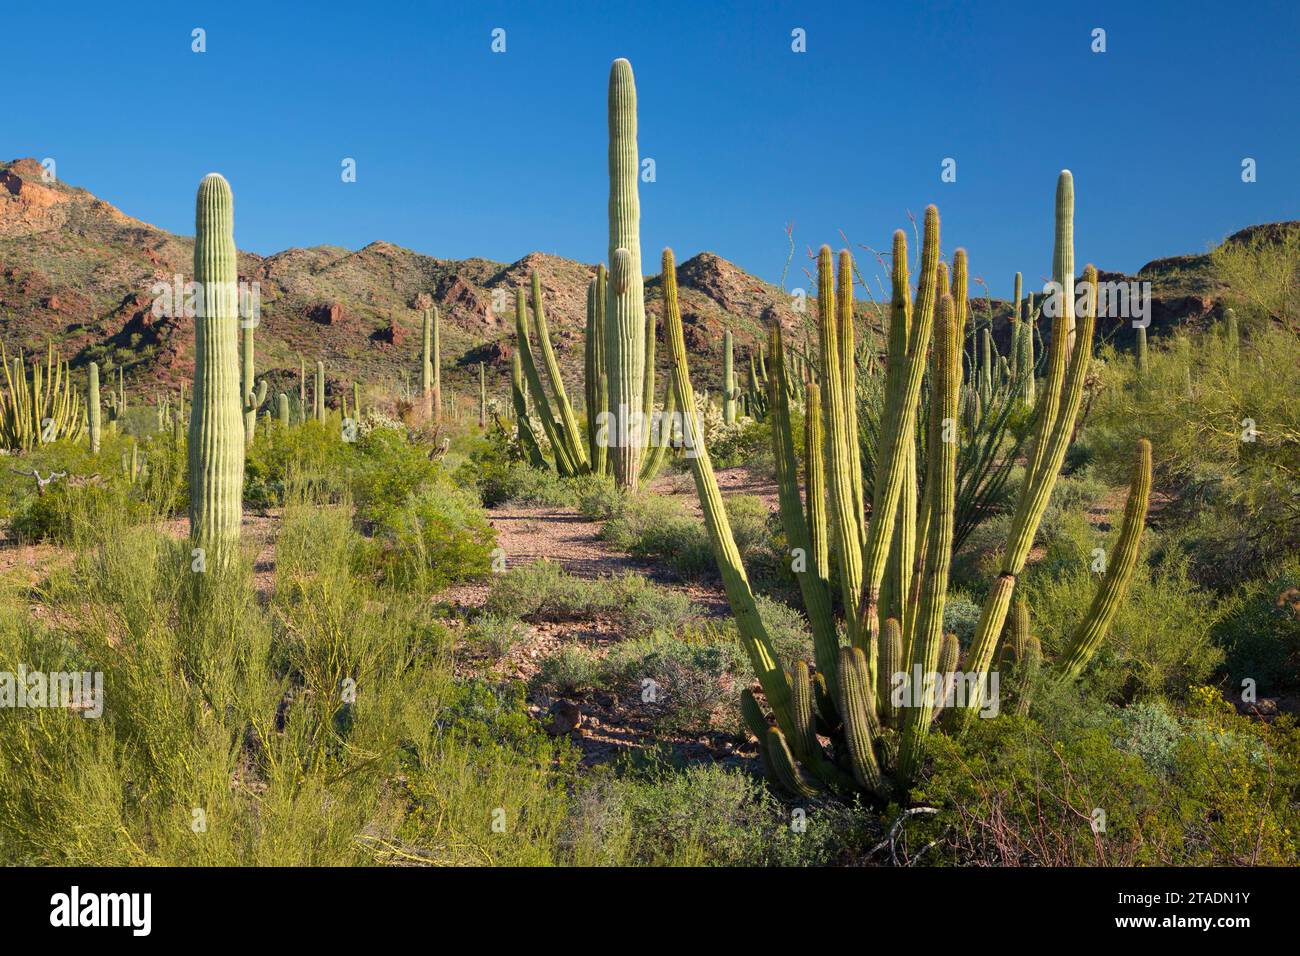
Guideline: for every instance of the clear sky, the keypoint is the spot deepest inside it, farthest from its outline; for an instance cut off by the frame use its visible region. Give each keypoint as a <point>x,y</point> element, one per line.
<point>461,151</point>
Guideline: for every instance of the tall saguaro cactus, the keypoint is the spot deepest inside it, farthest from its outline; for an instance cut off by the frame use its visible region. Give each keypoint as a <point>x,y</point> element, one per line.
<point>216,437</point>
<point>729,391</point>
<point>318,397</point>
<point>431,364</point>
<point>625,299</point>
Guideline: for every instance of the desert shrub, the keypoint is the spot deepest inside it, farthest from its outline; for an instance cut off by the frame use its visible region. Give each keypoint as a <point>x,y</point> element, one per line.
<point>310,456</point>
<point>960,616</point>
<point>543,591</point>
<point>495,634</point>
<point>1237,485</point>
<point>568,671</point>
<point>1259,631</point>
<point>704,816</point>
<point>63,513</point>
<point>1160,638</point>
<point>660,528</point>
<point>437,537</point>
<point>1197,787</point>
<point>680,682</point>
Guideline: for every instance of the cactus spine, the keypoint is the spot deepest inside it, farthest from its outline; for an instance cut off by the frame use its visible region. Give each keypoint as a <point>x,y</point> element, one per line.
<point>625,302</point>
<point>216,445</point>
<point>92,408</point>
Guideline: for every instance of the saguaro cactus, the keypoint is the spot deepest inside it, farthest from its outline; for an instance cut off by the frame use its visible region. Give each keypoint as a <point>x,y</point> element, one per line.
<point>729,391</point>
<point>254,396</point>
<point>93,409</point>
<point>482,396</point>
<point>319,395</point>
<point>216,445</point>
<point>282,409</point>
<point>625,300</point>
<point>431,365</point>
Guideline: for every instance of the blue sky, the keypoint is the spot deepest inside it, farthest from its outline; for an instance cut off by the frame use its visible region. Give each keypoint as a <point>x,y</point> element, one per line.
<point>463,152</point>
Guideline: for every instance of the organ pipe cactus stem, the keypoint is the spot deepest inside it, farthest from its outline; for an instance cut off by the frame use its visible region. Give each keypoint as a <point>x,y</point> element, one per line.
<point>216,436</point>
<point>648,384</point>
<point>815,482</point>
<point>431,364</point>
<point>1141,359</point>
<point>1063,254</point>
<point>92,406</point>
<point>845,529</point>
<point>848,368</point>
<point>1057,410</point>
<point>625,299</point>
<point>519,399</point>
<point>574,446</point>
<point>319,394</point>
<point>302,387</point>
<point>597,381</point>
<point>941,489</point>
<point>753,633</point>
<point>1119,571</point>
<point>813,584</point>
<point>898,427</point>
<point>564,463</point>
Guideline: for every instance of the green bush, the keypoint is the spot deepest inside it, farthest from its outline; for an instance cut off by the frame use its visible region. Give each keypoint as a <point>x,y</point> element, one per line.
<point>1259,631</point>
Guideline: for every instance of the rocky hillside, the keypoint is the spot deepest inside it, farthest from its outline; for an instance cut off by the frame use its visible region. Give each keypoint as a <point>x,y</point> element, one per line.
<point>78,272</point>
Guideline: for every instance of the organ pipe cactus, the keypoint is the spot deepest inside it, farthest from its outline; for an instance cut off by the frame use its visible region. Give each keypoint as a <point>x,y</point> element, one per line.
<point>216,437</point>
<point>93,412</point>
<point>597,383</point>
<point>876,744</point>
<point>625,301</point>
<point>523,426</point>
<point>555,435</point>
<point>567,423</point>
<point>482,396</point>
<point>40,408</point>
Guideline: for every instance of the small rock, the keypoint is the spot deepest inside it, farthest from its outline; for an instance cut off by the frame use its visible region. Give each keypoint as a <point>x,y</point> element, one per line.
<point>566,717</point>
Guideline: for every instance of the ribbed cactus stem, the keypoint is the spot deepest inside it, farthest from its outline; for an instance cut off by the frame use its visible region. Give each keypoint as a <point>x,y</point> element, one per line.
<point>253,394</point>
<point>1119,571</point>
<point>282,409</point>
<point>216,437</point>
<point>1063,254</point>
<point>753,633</point>
<point>941,489</point>
<point>625,299</point>
<point>596,383</point>
<point>574,446</point>
<point>319,395</point>
<point>648,384</point>
<point>1056,412</point>
<point>92,408</point>
<point>482,395</point>
<point>729,391</point>
<point>1141,350</point>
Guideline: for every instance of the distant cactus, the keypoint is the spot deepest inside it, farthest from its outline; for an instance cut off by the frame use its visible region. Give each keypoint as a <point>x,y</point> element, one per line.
<point>40,408</point>
<point>431,364</point>
<point>282,409</point>
<point>92,408</point>
<point>318,395</point>
<point>729,391</point>
<point>254,396</point>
